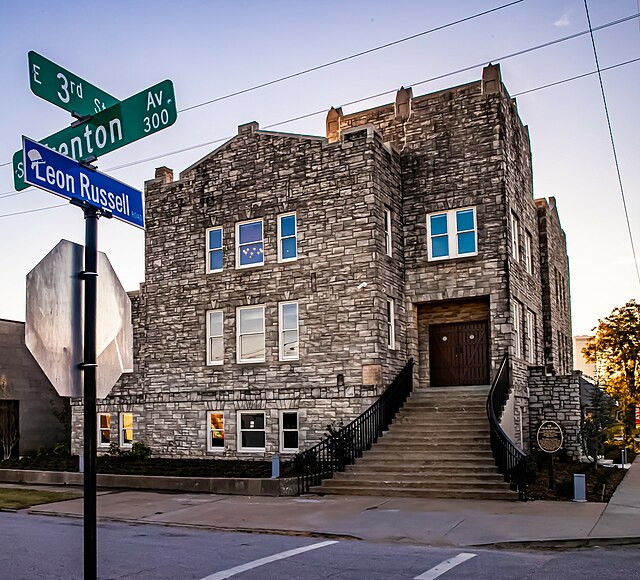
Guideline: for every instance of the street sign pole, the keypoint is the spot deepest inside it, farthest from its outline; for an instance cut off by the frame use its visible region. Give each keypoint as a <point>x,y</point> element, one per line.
<point>89,366</point>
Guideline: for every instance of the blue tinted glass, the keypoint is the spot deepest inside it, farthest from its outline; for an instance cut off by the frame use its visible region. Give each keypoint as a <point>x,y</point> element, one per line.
<point>288,248</point>
<point>215,260</point>
<point>438,224</point>
<point>250,232</point>
<point>440,247</point>
<point>288,226</point>
<point>464,220</point>
<point>251,254</point>
<point>467,243</point>
<point>215,239</point>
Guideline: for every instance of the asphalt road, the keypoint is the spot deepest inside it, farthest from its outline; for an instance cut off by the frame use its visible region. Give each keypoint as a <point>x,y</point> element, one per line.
<point>51,547</point>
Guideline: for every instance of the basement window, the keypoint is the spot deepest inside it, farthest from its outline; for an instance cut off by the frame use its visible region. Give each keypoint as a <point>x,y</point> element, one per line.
<point>251,431</point>
<point>215,428</point>
<point>289,436</point>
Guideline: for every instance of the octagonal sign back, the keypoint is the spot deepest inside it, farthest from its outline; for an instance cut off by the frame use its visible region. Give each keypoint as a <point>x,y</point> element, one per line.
<point>54,321</point>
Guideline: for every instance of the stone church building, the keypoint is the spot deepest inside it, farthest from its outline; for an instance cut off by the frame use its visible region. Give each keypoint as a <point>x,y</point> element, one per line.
<point>289,278</point>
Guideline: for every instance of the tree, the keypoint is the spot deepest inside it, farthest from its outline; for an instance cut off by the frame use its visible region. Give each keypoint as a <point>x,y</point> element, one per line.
<point>597,424</point>
<point>615,350</point>
<point>9,431</point>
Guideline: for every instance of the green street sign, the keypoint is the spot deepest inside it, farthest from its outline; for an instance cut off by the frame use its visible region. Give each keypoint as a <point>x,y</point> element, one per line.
<point>143,114</point>
<point>64,89</point>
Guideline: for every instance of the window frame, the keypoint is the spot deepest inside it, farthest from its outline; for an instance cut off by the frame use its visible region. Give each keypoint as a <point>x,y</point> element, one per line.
<point>210,430</point>
<point>121,430</point>
<point>282,430</point>
<point>527,255</point>
<point>239,265</point>
<point>240,447</point>
<point>530,336</point>
<point>282,330</point>
<point>281,258</point>
<point>100,429</point>
<point>516,312</point>
<point>388,239</point>
<point>515,238</point>
<point>210,361</point>
<point>452,234</point>
<point>210,250</point>
<point>391,324</point>
<point>239,358</point>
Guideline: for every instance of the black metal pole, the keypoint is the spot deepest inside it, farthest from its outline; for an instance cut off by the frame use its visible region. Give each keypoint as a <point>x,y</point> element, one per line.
<point>90,276</point>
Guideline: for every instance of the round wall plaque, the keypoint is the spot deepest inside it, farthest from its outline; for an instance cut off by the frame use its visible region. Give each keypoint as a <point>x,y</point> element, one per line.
<point>550,436</point>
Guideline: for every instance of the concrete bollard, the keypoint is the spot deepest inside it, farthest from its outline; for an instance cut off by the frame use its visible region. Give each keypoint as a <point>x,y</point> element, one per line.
<point>579,487</point>
<point>275,467</point>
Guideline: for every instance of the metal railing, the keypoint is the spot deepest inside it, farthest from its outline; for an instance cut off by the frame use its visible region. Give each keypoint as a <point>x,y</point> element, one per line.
<point>341,448</point>
<point>510,461</point>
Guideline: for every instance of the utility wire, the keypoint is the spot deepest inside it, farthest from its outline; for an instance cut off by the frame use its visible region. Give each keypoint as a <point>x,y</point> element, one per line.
<point>222,139</point>
<point>613,143</point>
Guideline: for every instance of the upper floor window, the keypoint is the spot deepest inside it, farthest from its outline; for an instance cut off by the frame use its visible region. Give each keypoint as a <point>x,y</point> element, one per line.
<point>289,349</point>
<point>287,237</point>
<point>515,238</point>
<point>387,231</point>
<point>250,337</point>
<point>214,250</point>
<point>526,252</point>
<point>215,428</point>
<point>530,336</point>
<point>452,233</point>
<point>517,329</point>
<point>126,429</point>
<point>249,244</point>
<point>215,337</point>
<point>391,326</point>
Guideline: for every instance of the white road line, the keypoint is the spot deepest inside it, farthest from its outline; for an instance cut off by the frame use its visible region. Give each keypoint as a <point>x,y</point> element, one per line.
<point>262,561</point>
<point>445,566</point>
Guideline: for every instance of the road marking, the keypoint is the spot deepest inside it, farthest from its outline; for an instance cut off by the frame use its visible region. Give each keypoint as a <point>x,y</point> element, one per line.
<point>268,559</point>
<point>445,566</point>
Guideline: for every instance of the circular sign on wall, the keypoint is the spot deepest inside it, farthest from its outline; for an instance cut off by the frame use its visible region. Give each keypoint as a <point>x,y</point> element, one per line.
<point>550,436</point>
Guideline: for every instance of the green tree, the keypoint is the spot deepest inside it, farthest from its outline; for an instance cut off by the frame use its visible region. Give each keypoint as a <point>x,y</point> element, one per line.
<point>615,350</point>
<point>597,424</point>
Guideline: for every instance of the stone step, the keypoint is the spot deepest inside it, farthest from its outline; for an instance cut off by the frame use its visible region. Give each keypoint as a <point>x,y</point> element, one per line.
<point>429,443</point>
<point>427,465</point>
<point>432,454</point>
<point>362,474</point>
<point>389,491</point>
<point>480,437</point>
<point>417,483</point>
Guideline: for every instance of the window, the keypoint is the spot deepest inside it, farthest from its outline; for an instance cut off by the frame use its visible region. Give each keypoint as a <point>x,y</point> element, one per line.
<point>515,238</point>
<point>214,250</point>
<point>530,337</point>
<point>526,250</point>
<point>251,432</point>
<point>215,339</point>
<point>287,238</point>
<point>250,343</point>
<point>517,329</point>
<point>126,429</point>
<point>289,349</point>
<point>387,231</point>
<point>215,430</point>
<point>288,431</point>
<point>250,244</point>
<point>104,429</point>
<point>452,234</point>
<point>391,326</point>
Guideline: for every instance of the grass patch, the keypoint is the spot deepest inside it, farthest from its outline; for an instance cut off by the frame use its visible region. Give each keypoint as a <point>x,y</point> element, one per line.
<point>17,499</point>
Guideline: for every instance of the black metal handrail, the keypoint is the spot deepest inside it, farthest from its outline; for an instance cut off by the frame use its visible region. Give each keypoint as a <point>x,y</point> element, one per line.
<point>341,448</point>
<point>511,462</point>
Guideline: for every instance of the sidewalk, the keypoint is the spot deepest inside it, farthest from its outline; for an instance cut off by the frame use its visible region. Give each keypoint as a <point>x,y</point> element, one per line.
<point>382,519</point>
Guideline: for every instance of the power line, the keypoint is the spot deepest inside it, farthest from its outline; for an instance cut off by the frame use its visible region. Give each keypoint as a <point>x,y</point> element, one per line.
<point>34,210</point>
<point>613,143</point>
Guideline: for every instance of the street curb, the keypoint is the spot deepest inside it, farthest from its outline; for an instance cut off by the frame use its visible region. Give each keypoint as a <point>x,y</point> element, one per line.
<point>559,544</point>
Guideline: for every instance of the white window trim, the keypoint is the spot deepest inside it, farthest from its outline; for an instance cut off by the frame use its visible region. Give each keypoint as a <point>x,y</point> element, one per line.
<point>209,337</point>
<point>388,240</point>
<point>242,266</point>
<point>238,335</point>
<point>242,449</point>
<point>211,448</point>
<point>515,238</point>
<point>517,330</point>
<point>281,330</point>
<point>99,430</point>
<point>121,430</point>
<point>209,249</point>
<point>280,238</point>
<point>530,336</point>
<point>391,324</point>
<point>284,449</point>
<point>452,234</point>
<point>528,259</point>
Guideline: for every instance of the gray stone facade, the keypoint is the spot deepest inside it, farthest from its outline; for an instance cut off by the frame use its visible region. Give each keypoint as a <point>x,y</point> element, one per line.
<point>464,147</point>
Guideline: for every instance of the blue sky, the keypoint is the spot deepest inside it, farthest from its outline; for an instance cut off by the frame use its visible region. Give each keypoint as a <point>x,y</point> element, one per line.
<point>212,48</point>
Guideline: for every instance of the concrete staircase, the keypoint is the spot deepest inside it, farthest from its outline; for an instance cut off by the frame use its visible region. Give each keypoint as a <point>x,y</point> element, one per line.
<point>437,447</point>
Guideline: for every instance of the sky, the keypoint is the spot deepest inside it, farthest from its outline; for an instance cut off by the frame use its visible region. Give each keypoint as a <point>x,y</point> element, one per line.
<point>211,49</point>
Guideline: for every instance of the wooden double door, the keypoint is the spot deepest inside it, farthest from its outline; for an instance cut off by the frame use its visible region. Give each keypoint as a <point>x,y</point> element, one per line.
<point>459,354</point>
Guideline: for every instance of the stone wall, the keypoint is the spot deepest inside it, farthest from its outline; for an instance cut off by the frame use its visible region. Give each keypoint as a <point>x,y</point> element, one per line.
<point>556,398</point>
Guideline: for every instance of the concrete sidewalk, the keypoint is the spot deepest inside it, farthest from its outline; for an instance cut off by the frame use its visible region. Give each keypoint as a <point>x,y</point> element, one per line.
<point>382,519</point>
